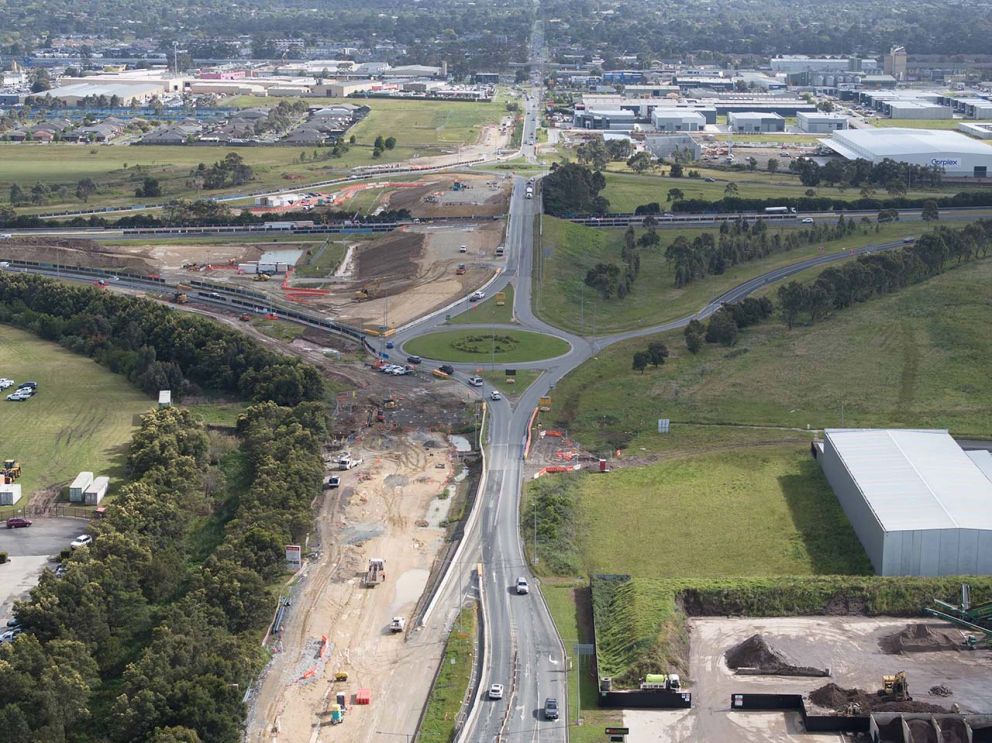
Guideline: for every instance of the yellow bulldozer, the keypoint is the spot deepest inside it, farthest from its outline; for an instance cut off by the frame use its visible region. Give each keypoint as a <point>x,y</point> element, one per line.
<point>261,277</point>
<point>895,688</point>
<point>11,469</point>
<point>367,292</point>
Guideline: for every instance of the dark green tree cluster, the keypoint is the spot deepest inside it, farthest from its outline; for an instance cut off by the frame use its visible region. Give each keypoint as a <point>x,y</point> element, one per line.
<point>573,190</point>
<point>880,273</point>
<point>895,177</point>
<point>655,355</point>
<point>153,345</point>
<point>231,171</point>
<point>741,241</point>
<point>616,280</point>
<point>598,153</point>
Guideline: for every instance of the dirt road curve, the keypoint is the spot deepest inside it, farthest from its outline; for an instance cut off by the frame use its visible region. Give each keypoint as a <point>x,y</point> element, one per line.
<point>374,514</point>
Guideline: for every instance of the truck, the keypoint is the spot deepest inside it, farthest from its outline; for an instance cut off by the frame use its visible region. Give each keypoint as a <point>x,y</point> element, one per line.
<point>780,210</point>
<point>661,682</point>
<point>376,573</point>
<point>397,625</point>
<point>349,464</point>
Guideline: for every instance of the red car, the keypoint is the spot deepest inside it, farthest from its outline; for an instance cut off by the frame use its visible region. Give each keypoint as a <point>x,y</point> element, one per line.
<point>17,523</point>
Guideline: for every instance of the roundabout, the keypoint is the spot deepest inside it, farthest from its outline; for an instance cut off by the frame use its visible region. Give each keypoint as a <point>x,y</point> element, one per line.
<point>481,345</point>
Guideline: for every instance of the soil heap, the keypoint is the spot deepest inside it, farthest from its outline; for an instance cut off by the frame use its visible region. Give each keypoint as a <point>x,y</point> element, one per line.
<point>921,638</point>
<point>839,699</point>
<point>754,656</point>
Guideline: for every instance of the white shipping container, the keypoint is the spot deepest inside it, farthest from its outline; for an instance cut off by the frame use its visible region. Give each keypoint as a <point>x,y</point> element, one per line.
<point>10,494</point>
<point>79,485</point>
<point>95,492</point>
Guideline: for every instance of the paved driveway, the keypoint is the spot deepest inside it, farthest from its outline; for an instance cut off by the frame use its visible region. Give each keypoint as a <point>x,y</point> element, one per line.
<point>29,551</point>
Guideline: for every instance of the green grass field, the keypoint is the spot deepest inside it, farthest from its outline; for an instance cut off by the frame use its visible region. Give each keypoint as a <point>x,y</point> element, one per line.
<point>915,358</point>
<point>445,700</point>
<point>323,260</point>
<point>81,419</point>
<point>523,379</point>
<point>282,330</point>
<point>488,311</point>
<point>476,346</point>
<point>570,250</point>
<point>626,191</point>
<point>753,511</point>
<point>421,128</point>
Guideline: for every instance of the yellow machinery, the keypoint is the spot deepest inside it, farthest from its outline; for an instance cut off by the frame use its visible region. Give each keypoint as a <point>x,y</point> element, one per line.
<point>895,688</point>
<point>368,291</point>
<point>11,469</point>
<point>261,277</point>
<point>389,403</point>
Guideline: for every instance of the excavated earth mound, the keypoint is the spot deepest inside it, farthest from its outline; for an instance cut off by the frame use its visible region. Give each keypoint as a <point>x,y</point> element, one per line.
<point>755,656</point>
<point>921,638</point>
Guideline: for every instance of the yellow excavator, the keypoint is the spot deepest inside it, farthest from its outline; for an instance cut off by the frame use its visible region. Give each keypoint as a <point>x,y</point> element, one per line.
<point>895,688</point>
<point>368,291</point>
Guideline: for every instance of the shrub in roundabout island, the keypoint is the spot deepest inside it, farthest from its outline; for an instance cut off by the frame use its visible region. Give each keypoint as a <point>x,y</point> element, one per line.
<point>485,343</point>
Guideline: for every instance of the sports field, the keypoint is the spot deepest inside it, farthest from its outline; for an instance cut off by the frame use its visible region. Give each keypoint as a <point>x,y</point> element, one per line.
<point>81,419</point>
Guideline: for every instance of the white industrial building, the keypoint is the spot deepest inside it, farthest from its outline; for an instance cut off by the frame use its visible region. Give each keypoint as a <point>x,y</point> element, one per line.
<point>820,123</point>
<point>755,122</point>
<point>677,120</point>
<point>958,155</point>
<point>605,119</point>
<point>906,109</point>
<point>793,63</point>
<point>920,504</point>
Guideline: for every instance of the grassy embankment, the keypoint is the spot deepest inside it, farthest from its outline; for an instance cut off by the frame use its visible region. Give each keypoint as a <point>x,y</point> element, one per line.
<point>81,418</point>
<point>569,251</point>
<point>488,312</point>
<point>445,700</point>
<point>482,346</point>
<point>421,128</point>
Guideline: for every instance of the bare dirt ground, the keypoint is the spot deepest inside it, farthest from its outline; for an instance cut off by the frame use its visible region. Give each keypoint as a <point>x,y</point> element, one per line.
<point>373,514</point>
<point>848,646</point>
<point>434,196</point>
<point>74,252</point>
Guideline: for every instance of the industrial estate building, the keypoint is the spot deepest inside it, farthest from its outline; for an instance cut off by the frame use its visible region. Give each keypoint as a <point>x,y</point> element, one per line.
<point>920,504</point>
<point>755,121</point>
<point>677,120</point>
<point>820,123</point>
<point>958,155</point>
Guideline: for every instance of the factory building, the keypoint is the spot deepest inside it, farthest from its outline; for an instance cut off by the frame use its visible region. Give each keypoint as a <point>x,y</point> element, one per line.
<point>751,122</point>
<point>920,504</point>
<point>906,109</point>
<point>677,120</point>
<point>793,63</point>
<point>979,131</point>
<point>820,123</point>
<point>958,155</point>
<point>126,93</point>
<point>668,145</point>
<point>604,119</point>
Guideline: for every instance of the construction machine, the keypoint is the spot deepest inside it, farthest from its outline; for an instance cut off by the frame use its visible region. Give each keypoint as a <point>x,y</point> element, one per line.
<point>376,573</point>
<point>11,469</point>
<point>975,618</point>
<point>368,291</point>
<point>895,688</point>
<point>261,277</point>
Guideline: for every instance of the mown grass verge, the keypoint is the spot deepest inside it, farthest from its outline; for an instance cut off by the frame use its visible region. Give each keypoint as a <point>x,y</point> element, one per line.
<point>448,693</point>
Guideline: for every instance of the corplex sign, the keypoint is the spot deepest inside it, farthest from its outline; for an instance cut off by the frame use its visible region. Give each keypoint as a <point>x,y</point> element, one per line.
<point>950,162</point>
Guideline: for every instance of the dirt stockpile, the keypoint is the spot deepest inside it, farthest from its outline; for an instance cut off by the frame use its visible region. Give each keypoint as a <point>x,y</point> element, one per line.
<point>390,258</point>
<point>70,252</point>
<point>921,638</point>
<point>838,699</point>
<point>753,656</point>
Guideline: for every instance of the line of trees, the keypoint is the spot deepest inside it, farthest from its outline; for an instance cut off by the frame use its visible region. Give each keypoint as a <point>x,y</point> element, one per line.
<point>231,171</point>
<point>871,275</point>
<point>611,279</point>
<point>895,177</point>
<point>154,346</point>
<point>139,642</point>
<point>742,241</point>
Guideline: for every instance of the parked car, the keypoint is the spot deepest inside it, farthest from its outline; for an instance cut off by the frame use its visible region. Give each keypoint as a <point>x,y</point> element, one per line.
<point>32,385</point>
<point>550,708</point>
<point>83,540</point>
<point>6,384</point>
<point>496,691</point>
<point>522,586</point>
<point>18,523</point>
<point>15,622</point>
<point>475,381</point>
<point>333,482</point>
<point>414,359</point>
<point>15,397</point>
<point>495,395</point>
<point>447,369</point>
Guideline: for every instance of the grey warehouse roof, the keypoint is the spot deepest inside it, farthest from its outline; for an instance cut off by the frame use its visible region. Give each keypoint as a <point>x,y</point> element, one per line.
<point>915,479</point>
<point>895,143</point>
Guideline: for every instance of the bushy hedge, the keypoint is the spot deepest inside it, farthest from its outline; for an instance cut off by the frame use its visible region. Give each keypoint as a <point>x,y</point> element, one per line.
<point>734,204</point>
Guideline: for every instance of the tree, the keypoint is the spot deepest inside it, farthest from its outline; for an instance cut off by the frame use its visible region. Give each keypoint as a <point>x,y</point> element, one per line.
<point>40,80</point>
<point>825,106</point>
<point>379,143</point>
<point>640,162</point>
<point>676,171</point>
<point>793,298</point>
<point>675,194</point>
<point>731,189</point>
<point>640,361</point>
<point>150,187</point>
<point>930,211</point>
<point>693,342</point>
<point>657,353</point>
<point>84,189</point>
<point>390,142</point>
<point>721,328</point>
<point>772,164</point>
<point>17,196</point>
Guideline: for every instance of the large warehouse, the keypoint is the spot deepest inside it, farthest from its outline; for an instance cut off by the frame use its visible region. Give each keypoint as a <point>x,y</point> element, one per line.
<point>959,155</point>
<point>919,503</point>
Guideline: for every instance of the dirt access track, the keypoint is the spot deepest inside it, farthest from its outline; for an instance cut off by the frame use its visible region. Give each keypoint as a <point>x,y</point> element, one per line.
<point>374,513</point>
<point>848,646</point>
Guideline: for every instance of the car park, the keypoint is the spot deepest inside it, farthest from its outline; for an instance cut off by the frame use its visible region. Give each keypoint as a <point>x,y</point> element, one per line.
<point>475,381</point>
<point>496,691</point>
<point>550,708</point>
<point>522,587</point>
<point>83,540</point>
<point>18,523</point>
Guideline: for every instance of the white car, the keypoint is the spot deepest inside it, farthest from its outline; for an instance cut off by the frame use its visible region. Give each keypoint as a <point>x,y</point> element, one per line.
<point>496,691</point>
<point>476,296</point>
<point>6,384</point>
<point>807,220</point>
<point>82,540</point>
<point>475,381</point>
<point>522,586</point>
<point>15,397</point>
<point>495,395</point>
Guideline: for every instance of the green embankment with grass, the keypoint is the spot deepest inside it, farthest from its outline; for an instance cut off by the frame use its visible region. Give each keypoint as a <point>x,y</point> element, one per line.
<point>488,311</point>
<point>483,346</point>
<point>562,297</point>
<point>523,379</point>
<point>281,330</point>
<point>451,684</point>
<point>323,259</point>
<point>81,418</point>
<point>915,358</point>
